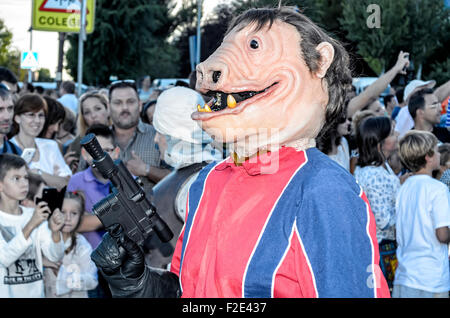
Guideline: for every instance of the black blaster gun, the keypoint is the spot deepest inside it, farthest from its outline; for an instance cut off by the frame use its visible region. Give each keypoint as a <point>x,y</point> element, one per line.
<point>127,205</point>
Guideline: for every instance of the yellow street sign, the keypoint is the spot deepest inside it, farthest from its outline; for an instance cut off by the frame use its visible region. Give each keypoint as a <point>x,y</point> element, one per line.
<point>62,15</point>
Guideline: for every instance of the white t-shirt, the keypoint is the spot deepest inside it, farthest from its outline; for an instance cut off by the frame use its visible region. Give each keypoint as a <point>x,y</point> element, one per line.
<point>49,156</point>
<point>422,206</point>
<point>21,259</point>
<point>70,101</point>
<point>342,156</point>
<point>76,275</point>
<point>404,121</point>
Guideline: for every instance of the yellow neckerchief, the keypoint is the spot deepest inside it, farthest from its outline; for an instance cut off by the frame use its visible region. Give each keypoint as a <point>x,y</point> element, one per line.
<point>239,160</point>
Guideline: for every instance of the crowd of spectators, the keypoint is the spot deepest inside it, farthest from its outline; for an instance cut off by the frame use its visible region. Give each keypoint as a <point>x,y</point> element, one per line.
<point>408,190</point>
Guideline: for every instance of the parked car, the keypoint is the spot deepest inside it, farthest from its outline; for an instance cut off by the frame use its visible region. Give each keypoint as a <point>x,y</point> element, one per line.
<point>165,83</point>
<point>53,85</point>
<point>360,83</point>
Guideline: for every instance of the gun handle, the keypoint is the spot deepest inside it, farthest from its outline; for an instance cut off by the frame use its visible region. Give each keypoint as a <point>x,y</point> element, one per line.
<point>116,232</point>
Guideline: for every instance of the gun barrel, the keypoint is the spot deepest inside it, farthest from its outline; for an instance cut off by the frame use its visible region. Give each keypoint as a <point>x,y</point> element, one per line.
<point>162,230</point>
<point>90,143</point>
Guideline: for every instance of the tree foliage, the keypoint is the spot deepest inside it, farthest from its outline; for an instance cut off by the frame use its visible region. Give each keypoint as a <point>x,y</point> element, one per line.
<point>440,71</point>
<point>129,41</point>
<point>44,75</point>
<point>212,32</point>
<point>415,26</point>
<point>427,28</point>
<point>378,45</point>
<point>9,56</point>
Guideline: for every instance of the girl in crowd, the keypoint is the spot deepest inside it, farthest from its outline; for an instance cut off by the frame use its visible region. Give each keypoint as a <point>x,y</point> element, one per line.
<point>335,144</point>
<point>76,274</point>
<point>55,116</point>
<point>30,114</point>
<point>92,109</point>
<point>377,140</point>
<point>66,132</point>
<point>357,118</point>
<point>146,89</point>
<point>147,112</point>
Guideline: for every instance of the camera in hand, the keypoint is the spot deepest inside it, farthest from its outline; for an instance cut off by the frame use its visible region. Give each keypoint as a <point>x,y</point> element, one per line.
<point>127,205</point>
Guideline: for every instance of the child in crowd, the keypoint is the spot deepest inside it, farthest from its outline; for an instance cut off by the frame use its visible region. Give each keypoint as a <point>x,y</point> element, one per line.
<point>24,233</point>
<point>91,182</point>
<point>76,273</point>
<point>423,220</point>
<point>443,174</point>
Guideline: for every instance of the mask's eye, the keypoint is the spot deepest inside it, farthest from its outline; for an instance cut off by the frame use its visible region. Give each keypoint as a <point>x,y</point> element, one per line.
<point>254,44</point>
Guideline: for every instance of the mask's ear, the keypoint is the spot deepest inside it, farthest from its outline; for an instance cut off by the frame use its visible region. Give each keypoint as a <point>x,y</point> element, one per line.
<point>326,51</point>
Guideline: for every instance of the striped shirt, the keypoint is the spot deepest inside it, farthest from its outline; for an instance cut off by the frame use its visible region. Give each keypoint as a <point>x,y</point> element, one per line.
<point>305,231</point>
<point>447,121</point>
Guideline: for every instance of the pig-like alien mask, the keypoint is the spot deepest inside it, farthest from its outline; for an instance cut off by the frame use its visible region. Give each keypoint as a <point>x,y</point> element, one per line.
<point>275,80</point>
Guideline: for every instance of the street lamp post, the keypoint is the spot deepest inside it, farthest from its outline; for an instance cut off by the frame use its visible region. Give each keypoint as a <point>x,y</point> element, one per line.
<point>30,73</point>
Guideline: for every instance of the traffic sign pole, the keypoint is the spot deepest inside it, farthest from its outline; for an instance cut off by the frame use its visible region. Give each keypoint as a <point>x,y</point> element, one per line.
<point>30,74</point>
<point>81,38</point>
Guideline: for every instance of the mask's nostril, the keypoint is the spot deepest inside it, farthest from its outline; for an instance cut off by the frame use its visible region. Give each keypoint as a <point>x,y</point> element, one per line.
<point>216,76</point>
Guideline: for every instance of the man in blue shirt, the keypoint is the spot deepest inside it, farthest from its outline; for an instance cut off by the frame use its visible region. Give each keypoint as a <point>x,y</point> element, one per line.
<point>68,98</point>
<point>6,117</point>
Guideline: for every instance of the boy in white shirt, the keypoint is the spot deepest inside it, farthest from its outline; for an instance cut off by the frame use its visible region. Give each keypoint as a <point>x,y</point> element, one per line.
<point>24,233</point>
<point>422,222</point>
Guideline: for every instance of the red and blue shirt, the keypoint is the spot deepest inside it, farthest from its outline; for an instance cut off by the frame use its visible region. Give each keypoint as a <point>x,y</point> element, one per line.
<point>305,231</point>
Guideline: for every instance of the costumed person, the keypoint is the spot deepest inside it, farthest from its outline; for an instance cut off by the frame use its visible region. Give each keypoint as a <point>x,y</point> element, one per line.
<point>187,149</point>
<point>278,218</point>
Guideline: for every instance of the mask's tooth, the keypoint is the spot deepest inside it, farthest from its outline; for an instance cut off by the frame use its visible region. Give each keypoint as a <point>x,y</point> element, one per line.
<point>207,109</point>
<point>218,100</point>
<point>199,108</point>
<point>231,102</point>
